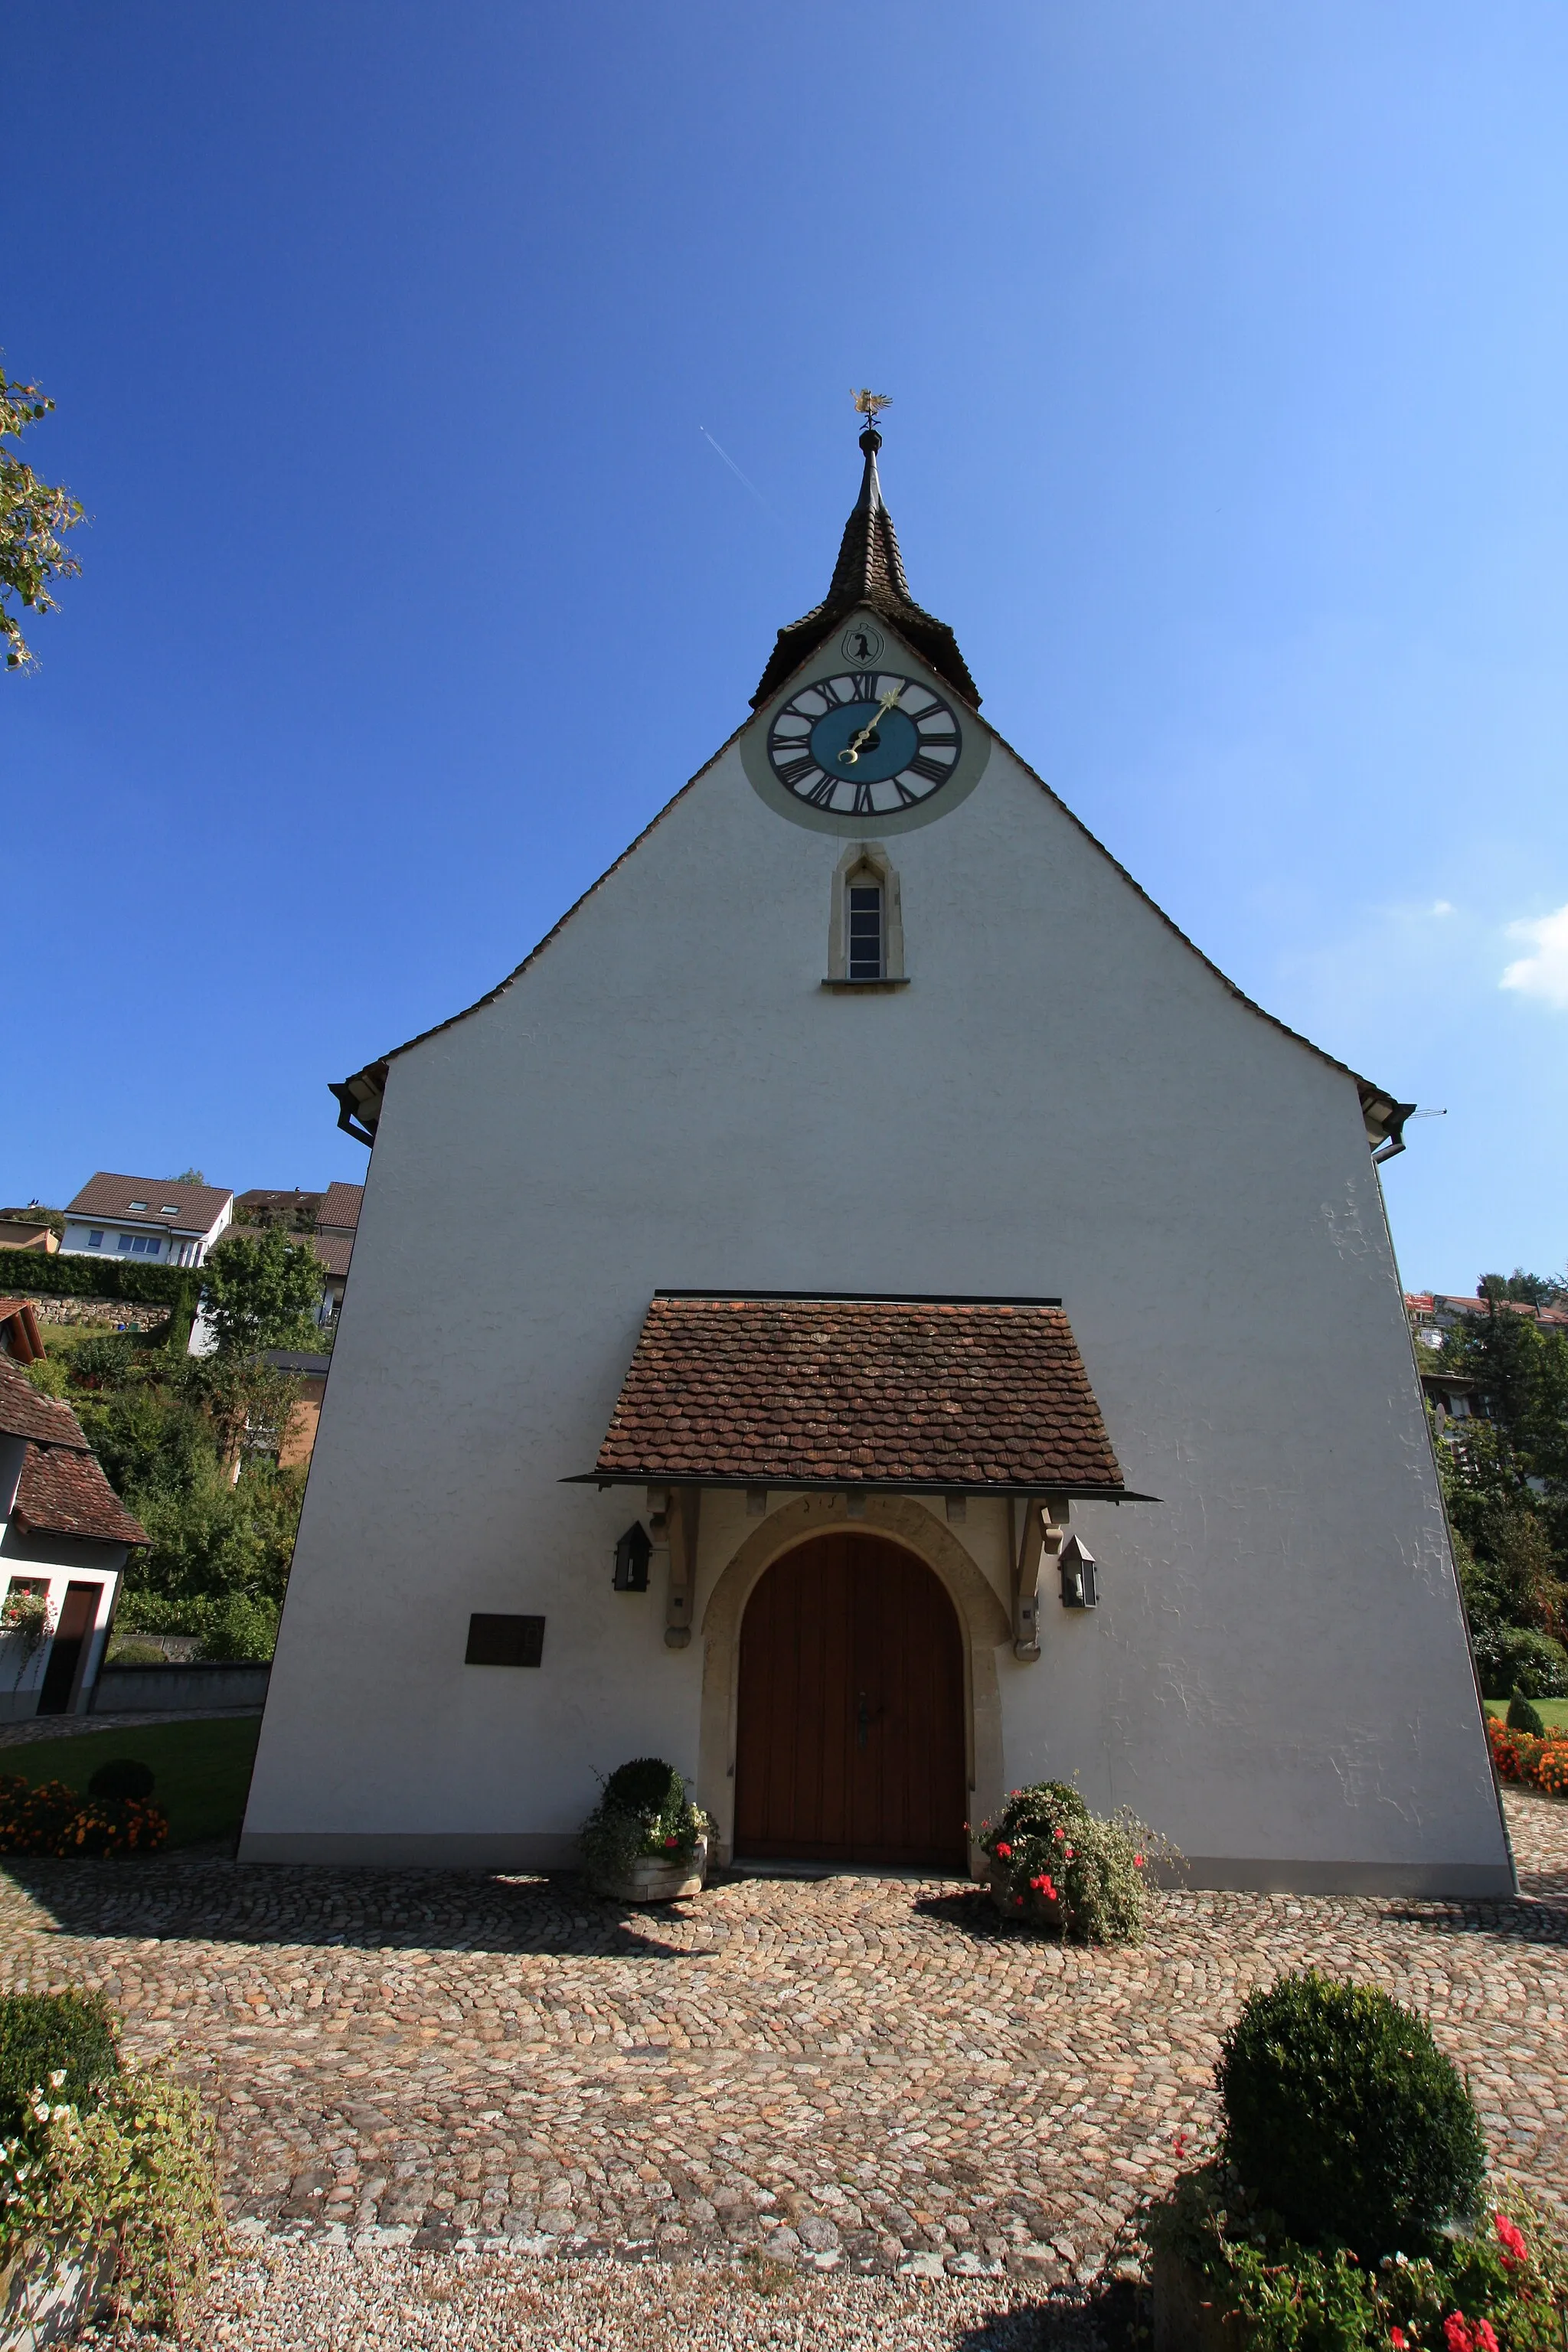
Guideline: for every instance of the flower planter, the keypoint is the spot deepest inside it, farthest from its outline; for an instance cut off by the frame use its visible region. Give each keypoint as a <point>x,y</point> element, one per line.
<point>1037,1912</point>
<point>652,1879</point>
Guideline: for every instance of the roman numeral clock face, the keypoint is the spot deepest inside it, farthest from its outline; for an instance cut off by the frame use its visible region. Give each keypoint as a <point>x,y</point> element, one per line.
<point>867,743</point>
<point>864,748</point>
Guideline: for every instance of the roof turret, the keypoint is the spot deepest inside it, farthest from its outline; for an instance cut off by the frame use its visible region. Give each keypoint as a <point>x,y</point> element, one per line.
<point>870,572</point>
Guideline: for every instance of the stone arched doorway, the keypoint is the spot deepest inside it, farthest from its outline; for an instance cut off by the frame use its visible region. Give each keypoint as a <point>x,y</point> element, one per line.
<point>850,1742</point>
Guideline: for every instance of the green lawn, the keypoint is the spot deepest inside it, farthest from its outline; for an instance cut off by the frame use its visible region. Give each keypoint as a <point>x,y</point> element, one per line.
<point>203,1769</point>
<point>1553,1712</point>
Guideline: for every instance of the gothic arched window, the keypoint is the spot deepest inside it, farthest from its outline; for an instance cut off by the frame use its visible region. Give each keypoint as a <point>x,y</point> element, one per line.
<point>866,929</point>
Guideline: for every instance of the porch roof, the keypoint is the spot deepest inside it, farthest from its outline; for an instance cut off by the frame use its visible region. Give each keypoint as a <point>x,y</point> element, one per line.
<point>62,1493</point>
<point>740,1389</point>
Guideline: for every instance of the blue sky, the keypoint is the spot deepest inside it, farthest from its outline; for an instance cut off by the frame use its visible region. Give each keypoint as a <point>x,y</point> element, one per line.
<point>1230,368</point>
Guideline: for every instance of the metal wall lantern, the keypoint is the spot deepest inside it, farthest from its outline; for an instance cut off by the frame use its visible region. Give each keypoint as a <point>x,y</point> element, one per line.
<point>632,1553</point>
<point>1080,1584</point>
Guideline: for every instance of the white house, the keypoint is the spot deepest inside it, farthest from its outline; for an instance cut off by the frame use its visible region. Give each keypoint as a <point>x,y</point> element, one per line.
<point>64,1539</point>
<point>145,1218</point>
<point>871,1397</point>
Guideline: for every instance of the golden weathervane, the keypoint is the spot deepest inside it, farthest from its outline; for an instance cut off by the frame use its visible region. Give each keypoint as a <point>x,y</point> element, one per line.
<point>871,404</point>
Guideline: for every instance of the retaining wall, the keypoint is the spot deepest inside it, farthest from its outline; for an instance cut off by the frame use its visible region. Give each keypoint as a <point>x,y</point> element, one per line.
<point>160,1690</point>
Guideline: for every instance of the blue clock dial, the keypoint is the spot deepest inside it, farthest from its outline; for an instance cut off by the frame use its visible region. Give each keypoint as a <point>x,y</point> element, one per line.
<point>884,741</point>
<point>867,743</point>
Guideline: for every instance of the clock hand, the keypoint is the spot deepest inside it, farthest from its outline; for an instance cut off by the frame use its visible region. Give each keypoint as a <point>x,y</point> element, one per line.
<point>857,744</point>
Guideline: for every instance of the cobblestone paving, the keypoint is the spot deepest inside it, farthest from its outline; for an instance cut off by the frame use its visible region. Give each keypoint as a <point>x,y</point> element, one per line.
<point>870,2073</point>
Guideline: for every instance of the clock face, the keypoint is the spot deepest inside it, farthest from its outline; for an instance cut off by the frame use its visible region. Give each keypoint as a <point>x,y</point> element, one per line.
<point>864,743</point>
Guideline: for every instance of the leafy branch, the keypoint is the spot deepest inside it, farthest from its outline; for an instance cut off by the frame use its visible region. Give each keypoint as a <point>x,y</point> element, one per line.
<point>34,518</point>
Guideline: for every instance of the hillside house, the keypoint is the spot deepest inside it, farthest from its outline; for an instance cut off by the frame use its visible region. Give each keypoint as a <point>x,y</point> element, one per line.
<point>144,1220</point>
<point>65,1536</point>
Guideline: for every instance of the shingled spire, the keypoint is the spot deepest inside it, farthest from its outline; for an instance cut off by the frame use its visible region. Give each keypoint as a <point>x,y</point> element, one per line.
<point>870,572</point>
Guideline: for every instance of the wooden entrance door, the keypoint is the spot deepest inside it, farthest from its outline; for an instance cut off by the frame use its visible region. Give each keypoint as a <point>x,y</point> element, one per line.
<point>851,1742</point>
<point>76,1613</point>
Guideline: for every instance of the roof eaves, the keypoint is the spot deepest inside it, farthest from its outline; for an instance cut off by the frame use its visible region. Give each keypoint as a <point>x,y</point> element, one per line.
<point>787,1483</point>
<point>1390,1113</point>
<point>360,1096</point>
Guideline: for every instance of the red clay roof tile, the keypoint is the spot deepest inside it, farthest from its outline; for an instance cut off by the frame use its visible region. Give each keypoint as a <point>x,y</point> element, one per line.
<point>781,1392</point>
<point>61,1493</point>
<point>25,1412</point>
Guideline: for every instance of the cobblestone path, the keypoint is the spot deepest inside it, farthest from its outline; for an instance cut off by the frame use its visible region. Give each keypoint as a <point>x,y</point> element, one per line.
<point>866,2070</point>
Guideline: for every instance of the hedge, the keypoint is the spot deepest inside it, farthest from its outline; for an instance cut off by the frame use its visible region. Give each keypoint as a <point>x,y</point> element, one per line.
<point>78,1275</point>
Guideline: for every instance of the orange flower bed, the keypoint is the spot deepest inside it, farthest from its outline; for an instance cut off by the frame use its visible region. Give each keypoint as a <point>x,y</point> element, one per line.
<point>1533,1763</point>
<point>55,1819</point>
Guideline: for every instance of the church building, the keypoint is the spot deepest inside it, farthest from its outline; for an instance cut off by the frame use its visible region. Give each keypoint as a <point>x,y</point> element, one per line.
<point>868,1391</point>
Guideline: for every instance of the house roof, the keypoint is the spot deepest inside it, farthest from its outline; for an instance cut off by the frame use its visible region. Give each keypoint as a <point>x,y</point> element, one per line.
<point>334,1250</point>
<point>288,1202</point>
<point>341,1207</point>
<point>25,1412</point>
<point>23,1342</point>
<point>740,1390</point>
<point>196,1207</point>
<point>869,573</point>
<point>65,1492</point>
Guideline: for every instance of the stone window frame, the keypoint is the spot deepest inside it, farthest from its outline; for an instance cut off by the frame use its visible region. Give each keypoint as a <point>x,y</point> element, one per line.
<point>868,860</point>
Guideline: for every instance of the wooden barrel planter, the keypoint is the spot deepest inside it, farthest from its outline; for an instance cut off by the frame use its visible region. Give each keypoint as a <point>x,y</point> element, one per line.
<point>652,1879</point>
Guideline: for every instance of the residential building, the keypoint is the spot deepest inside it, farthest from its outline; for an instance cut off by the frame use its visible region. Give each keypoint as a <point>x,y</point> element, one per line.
<point>1432,1314</point>
<point>293,1210</point>
<point>65,1536</point>
<point>869,1393</point>
<point>29,1229</point>
<point>145,1219</point>
<point>337,1222</point>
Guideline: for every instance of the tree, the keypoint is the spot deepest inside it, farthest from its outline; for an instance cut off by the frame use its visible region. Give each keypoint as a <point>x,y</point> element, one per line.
<point>1527,1289</point>
<point>177,1439</point>
<point>34,517</point>
<point>261,1292</point>
<point>1505,1480</point>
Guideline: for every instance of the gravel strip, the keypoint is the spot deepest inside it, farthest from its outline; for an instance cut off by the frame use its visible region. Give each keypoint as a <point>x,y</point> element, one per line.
<point>315,2298</point>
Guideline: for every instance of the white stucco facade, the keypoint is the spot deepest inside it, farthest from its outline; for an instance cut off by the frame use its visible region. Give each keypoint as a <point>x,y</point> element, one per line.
<point>1062,1101</point>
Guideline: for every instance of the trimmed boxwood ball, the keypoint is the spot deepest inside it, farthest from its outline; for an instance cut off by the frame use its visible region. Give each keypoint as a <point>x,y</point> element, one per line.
<point>1343,2114</point>
<point>44,2034</point>
<point>645,1785</point>
<point>122,1776</point>
<point>1522,1716</point>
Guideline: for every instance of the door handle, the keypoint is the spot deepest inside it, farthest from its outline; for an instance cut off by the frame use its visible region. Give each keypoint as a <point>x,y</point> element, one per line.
<point>862,1722</point>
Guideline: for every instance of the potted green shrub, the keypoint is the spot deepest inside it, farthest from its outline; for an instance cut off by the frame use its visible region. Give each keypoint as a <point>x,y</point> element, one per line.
<point>1055,1867</point>
<point>645,1840</point>
<point>1346,2203</point>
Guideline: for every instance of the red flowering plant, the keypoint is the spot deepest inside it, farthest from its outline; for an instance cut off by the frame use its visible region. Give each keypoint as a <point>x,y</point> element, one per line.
<point>1056,1867</point>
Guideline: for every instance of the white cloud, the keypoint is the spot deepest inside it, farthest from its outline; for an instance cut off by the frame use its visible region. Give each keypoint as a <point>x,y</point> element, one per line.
<point>1544,973</point>
<point>1442,906</point>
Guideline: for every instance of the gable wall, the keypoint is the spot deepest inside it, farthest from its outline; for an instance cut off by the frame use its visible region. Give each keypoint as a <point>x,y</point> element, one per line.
<point>1064,1102</point>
